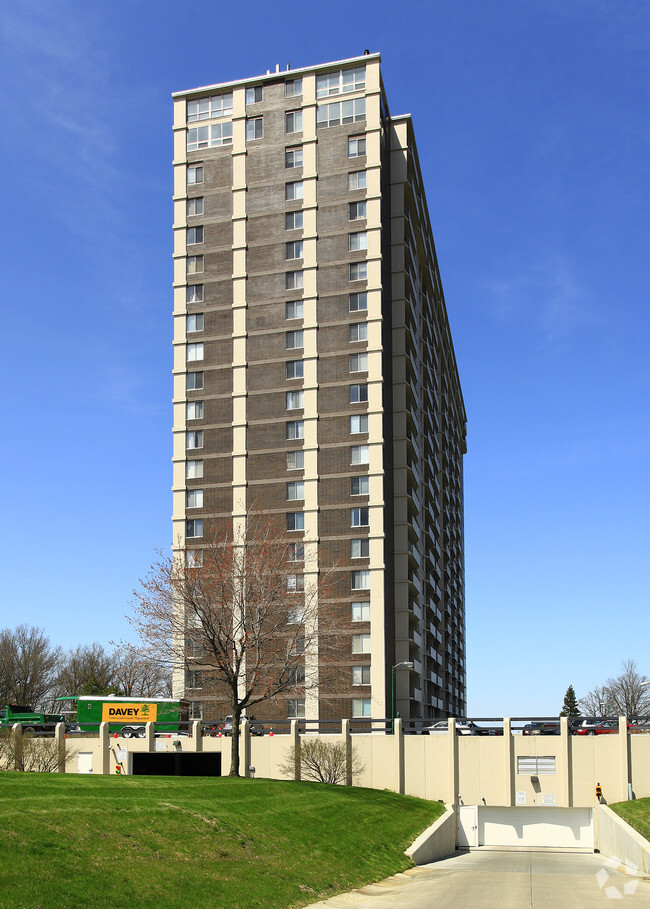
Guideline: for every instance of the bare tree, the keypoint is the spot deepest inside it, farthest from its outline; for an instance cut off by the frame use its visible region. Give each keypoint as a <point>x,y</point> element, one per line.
<point>136,675</point>
<point>28,665</point>
<point>241,612</point>
<point>625,695</point>
<point>87,669</point>
<point>27,753</point>
<point>322,761</point>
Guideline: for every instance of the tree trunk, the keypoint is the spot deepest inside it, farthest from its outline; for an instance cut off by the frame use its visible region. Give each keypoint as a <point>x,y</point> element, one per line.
<point>234,744</point>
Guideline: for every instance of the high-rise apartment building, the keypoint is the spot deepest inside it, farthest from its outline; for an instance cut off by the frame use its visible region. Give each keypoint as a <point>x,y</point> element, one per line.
<point>314,371</point>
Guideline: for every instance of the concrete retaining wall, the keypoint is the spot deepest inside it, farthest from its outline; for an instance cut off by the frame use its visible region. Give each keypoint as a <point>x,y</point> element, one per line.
<point>617,840</point>
<point>437,842</point>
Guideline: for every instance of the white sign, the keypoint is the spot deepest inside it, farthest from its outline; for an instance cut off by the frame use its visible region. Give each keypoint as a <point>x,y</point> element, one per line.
<point>121,755</point>
<point>161,745</point>
<point>521,798</point>
<point>548,799</point>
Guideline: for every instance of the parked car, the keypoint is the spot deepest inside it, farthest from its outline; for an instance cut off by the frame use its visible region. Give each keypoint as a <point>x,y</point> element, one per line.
<point>255,728</point>
<point>462,728</point>
<point>608,727</point>
<point>541,728</point>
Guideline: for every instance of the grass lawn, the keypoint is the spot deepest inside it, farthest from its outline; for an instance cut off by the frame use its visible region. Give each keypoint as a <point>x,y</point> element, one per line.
<point>636,814</point>
<point>78,842</point>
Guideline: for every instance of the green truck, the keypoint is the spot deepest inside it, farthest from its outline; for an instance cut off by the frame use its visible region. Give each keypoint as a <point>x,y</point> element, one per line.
<point>29,720</point>
<point>127,716</point>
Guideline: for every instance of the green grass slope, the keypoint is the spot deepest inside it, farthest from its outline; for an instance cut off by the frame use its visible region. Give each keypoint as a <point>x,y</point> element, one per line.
<point>636,814</point>
<point>91,841</point>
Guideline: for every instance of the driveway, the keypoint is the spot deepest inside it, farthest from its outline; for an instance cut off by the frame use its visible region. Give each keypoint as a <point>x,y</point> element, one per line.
<point>487,879</point>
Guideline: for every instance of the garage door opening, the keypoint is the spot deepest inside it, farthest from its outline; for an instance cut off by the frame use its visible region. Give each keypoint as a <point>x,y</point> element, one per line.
<point>186,764</point>
<point>525,828</point>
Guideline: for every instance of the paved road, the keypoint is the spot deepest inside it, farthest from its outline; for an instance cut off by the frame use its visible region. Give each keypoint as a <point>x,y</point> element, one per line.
<point>503,880</point>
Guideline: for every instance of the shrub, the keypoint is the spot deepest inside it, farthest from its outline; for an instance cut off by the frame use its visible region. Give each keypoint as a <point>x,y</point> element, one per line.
<point>322,761</point>
<point>29,753</point>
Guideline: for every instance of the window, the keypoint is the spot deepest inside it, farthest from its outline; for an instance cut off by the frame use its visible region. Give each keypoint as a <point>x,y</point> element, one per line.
<point>295,429</point>
<point>193,679</point>
<point>294,339</point>
<point>356,210</point>
<point>297,675</point>
<point>293,121</point>
<point>194,410</point>
<point>209,136</point>
<point>194,322</point>
<point>295,490</point>
<point>295,309</point>
<point>295,460</point>
<point>295,369</point>
<point>359,486</point>
<point>194,235</point>
<point>195,206</point>
<point>358,271</point>
<point>361,676</point>
<point>296,552</point>
<point>194,498</point>
<point>293,157</point>
<point>194,174</point>
<point>359,454</point>
<point>359,331</point>
<point>293,249</point>
<point>341,82</point>
<point>194,439</point>
<point>194,470</point>
<point>294,280</point>
<point>359,423</point>
<point>292,87</point>
<point>293,190</point>
<point>194,293</point>
<point>295,582</point>
<point>357,241</point>
<point>194,352</point>
<point>358,394</point>
<point>359,362</point>
<point>361,611</point>
<point>194,527</point>
<point>359,549</point>
<point>196,710</point>
<point>340,112</point>
<point>254,128</point>
<point>360,580</point>
<point>254,95</point>
<point>295,520</point>
<point>210,108</point>
<point>194,559</point>
<point>360,517</point>
<point>357,180</point>
<point>356,146</point>
<point>361,642</point>
<point>293,220</point>
<point>194,264</point>
<point>295,400</point>
<point>358,302</point>
<point>295,708</point>
<point>194,381</point>
<point>361,707</point>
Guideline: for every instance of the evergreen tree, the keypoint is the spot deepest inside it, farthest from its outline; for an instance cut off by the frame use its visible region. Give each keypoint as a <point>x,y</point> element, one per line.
<point>570,706</point>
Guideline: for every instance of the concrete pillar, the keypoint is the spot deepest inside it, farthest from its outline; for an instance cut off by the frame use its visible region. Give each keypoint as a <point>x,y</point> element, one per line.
<point>104,749</point>
<point>398,744</point>
<point>452,757</point>
<point>295,744</point>
<point>245,745</point>
<point>59,738</point>
<point>565,763</point>
<point>196,742</point>
<point>17,732</point>
<point>508,763</point>
<point>624,762</point>
<point>150,733</point>
<point>347,737</point>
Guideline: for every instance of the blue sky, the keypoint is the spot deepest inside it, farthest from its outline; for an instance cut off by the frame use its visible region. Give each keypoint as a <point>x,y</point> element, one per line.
<point>532,121</point>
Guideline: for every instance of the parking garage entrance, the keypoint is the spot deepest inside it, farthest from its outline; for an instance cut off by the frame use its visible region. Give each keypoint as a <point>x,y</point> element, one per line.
<point>181,764</point>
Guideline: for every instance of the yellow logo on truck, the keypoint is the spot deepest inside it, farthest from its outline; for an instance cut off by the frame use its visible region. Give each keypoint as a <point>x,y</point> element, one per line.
<point>129,713</point>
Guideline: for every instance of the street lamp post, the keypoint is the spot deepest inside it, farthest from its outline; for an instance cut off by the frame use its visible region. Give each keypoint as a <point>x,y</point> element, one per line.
<point>406,664</point>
